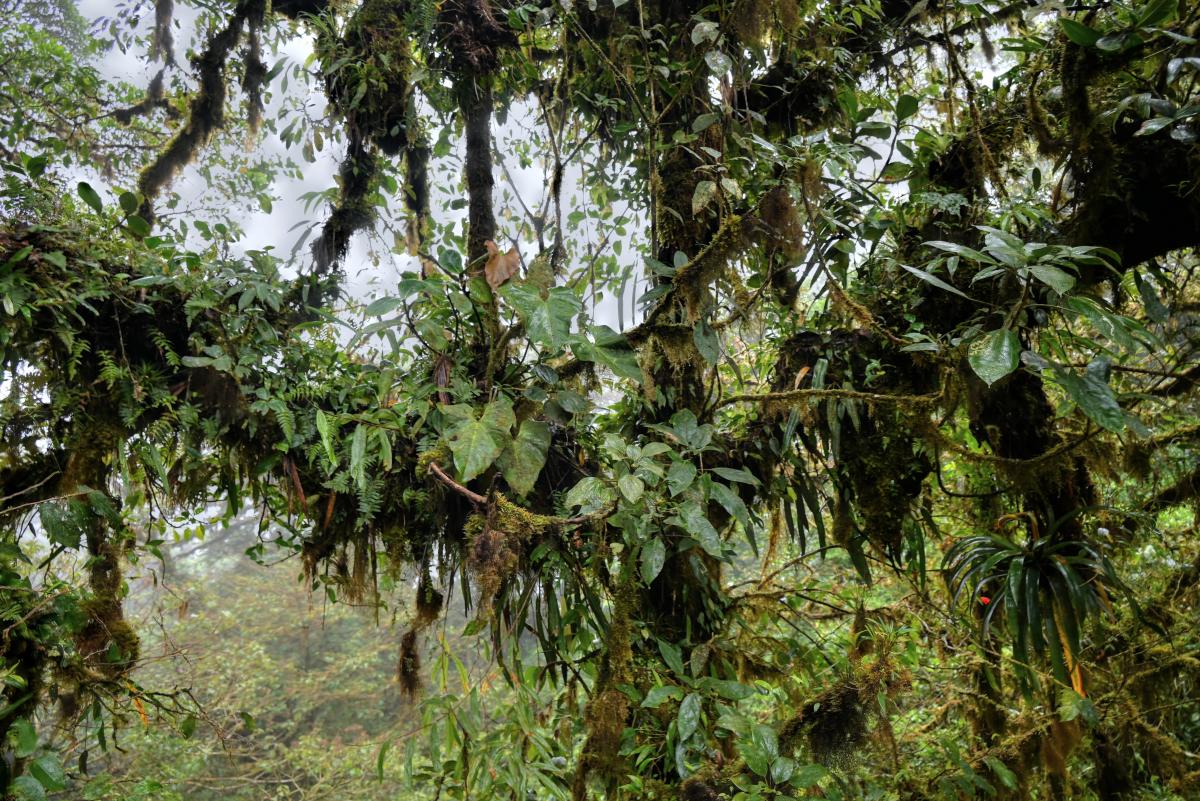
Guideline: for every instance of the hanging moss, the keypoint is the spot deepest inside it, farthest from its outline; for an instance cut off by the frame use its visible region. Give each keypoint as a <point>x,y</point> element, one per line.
<point>497,543</point>
<point>206,110</point>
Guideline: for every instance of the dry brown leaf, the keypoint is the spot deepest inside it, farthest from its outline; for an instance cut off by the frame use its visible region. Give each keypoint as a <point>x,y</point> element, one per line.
<point>500,266</point>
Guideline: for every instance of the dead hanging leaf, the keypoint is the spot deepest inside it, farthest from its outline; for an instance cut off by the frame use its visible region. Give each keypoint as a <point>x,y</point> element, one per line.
<point>500,266</point>
<point>441,377</point>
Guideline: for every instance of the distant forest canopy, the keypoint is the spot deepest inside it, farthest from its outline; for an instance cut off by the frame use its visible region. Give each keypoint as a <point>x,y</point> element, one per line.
<point>756,399</point>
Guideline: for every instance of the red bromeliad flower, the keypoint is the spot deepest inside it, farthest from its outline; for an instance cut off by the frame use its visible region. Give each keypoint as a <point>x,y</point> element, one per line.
<point>983,599</point>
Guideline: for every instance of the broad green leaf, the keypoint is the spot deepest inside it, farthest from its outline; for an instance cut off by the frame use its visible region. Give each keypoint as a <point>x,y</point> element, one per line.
<point>547,320</point>
<point>631,487</point>
<point>654,556</point>
<point>498,414</point>
<point>689,717</point>
<point>48,770</point>
<point>608,349</point>
<point>680,476</point>
<point>657,695</point>
<point>782,769</point>
<point>358,454</point>
<point>731,502</point>
<point>906,106</point>
<point>696,523</point>
<point>808,775</point>
<point>27,788</point>
<point>382,306</point>
<point>736,474</point>
<point>474,446</point>
<point>90,196</point>
<point>589,495</point>
<point>1094,397</point>
<point>995,355</point>
<point>703,194</point>
<point>707,342</point>
<point>1060,281</point>
<point>672,656</point>
<point>732,690</point>
<point>1079,33</point>
<point>326,436</point>
<point>27,738</point>
<point>522,460</point>
<point>129,202</point>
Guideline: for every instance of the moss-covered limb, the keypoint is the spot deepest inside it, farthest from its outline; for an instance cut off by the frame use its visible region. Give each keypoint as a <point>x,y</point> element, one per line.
<point>154,99</point>
<point>848,394</point>
<point>1182,491</point>
<point>352,213</point>
<point>206,111</point>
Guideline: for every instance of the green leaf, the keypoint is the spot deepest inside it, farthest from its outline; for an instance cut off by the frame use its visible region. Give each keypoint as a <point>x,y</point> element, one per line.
<point>703,194</point>
<point>695,522</point>
<point>358,454</point>
<point>631,487</point>
<point>1079,33</point>
<point>933,279</point>
<point>188,727</point>
<point>498,414</point>
<point>547,320</point>
<point>680,476</point>
<point>48,770</point>
<point>654,556</point>
<point>382,306</point>
<point>326,437</point>
<point>129,202</point>
<point>474,447</point>
<point>27,738</point>
<point>137,226</point>
<point>688,720</point>
<point>906,106</point>
<point>731,502</point>
<point>782,769</point>
<point>707,341</point>
<point>27,788</point>
<point>90,196</point>
<point>589,495</point>
<point>671,656</point>
<point>1156,11</point>
<point>737,474</point>
<point>1059,280</point>
<point>608,349</point>
<point>731,690</point>
<point>657,695</point>
<point>522,460</point>
<point>808,775</point>
<point>381,758</point>
<point>1093,396</point>
<point>995,355</point>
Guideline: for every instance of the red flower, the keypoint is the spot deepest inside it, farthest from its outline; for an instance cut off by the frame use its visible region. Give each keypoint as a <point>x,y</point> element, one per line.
<point>983,599</point>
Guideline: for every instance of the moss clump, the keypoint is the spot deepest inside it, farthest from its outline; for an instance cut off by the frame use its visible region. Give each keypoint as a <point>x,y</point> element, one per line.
<point>408,667</point>
<point>497,543</point>
<point>369,81</point>
<point>836,722</point>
